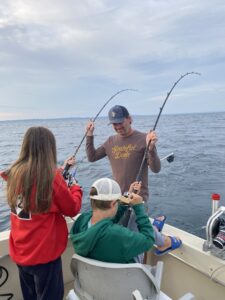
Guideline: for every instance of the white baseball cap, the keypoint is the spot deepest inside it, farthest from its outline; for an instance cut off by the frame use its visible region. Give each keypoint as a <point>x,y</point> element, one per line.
<point>107,190</point>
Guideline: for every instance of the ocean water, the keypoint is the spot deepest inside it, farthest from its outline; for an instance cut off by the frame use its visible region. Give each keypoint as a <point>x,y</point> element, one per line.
<point>181,191</point>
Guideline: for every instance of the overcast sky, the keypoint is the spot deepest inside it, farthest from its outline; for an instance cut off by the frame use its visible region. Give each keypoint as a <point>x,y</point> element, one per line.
<point>67,58</point>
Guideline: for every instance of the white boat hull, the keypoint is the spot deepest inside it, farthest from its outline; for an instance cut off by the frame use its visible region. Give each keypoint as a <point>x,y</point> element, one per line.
<point>188,269</point>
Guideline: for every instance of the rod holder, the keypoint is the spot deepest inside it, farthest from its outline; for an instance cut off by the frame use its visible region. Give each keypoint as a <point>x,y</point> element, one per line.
<point>215,202</point>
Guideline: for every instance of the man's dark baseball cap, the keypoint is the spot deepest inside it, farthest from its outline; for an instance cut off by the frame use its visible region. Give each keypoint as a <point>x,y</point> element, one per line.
<point>117,114</point>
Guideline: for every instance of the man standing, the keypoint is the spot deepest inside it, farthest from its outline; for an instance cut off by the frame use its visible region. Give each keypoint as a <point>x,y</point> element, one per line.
<point>125,150</point>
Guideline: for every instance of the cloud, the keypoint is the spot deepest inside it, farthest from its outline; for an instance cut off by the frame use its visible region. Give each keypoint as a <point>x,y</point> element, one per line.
<point>73,51</point>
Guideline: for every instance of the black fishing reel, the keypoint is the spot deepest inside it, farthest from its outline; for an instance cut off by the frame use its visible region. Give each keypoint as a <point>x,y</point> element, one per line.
<point>68,176</point>
<point>66,172</point>
<point>70,179</point>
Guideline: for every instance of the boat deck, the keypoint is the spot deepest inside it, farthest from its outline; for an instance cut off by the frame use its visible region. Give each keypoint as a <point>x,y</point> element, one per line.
<point>68,286</point>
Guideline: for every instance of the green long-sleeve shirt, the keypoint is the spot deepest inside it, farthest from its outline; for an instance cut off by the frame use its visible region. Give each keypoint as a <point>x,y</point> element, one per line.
<point>110,242</point>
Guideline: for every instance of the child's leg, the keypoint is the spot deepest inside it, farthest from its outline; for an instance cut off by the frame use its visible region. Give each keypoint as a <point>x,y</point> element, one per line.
<point>48,280</point>
<point>27,284</point>
<point>159,238</point>
<point>49,283</point>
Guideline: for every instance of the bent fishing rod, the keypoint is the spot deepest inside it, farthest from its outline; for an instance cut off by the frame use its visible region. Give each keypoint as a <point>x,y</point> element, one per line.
<point>138,178</point>
<point>66,169</point>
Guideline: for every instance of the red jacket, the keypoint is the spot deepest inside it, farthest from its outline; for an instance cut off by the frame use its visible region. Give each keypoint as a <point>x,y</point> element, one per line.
<point>43,237</point>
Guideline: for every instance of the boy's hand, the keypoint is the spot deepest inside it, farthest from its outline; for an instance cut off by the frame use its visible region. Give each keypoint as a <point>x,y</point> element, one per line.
<point>135,186</point>
<point>135,199</point>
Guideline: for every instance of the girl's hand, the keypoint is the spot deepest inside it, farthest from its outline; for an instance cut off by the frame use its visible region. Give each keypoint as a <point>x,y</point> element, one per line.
<point>70,161</point>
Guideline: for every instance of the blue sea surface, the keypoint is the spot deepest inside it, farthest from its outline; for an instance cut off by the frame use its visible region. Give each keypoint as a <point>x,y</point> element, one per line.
<point>181,191</point>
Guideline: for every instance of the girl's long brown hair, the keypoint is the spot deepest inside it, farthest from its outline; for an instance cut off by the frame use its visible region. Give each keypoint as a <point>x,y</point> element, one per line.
<point>34,170</point>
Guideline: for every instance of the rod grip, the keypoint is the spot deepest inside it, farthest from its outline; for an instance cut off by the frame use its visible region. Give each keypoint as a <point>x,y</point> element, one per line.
<point>66,171</point>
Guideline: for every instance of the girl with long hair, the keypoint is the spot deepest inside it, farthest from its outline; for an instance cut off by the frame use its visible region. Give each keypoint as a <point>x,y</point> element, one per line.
<point>39,199</point>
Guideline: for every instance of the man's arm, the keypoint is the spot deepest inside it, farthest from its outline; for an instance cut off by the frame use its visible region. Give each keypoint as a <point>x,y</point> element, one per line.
<point>92,153</point>
<point>152,155</point>
<point>154,161</point>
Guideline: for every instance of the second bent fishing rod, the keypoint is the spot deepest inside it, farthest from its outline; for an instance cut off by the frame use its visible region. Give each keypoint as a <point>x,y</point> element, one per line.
<point>138,178</point>
<point>67,167</point>
<point>127,214</point>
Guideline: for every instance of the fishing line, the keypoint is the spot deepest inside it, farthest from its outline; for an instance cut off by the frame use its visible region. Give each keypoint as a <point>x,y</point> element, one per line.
<point>138,178</point>
<point>66,169</point>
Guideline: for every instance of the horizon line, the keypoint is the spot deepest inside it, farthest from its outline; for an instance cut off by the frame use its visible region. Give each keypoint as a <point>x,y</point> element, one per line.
<point>105,116</point>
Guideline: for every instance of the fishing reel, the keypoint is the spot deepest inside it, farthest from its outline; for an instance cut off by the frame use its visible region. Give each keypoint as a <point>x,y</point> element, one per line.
<point>66,172</point>
<point>71,180</point>
<point>215,234</point>
<point>69,177</point>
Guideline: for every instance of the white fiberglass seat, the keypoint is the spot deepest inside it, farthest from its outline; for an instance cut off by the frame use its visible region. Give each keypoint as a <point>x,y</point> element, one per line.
<point>109,281</point>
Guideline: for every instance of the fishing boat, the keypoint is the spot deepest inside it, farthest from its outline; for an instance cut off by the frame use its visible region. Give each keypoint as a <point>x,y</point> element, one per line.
<point>192,269</point>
